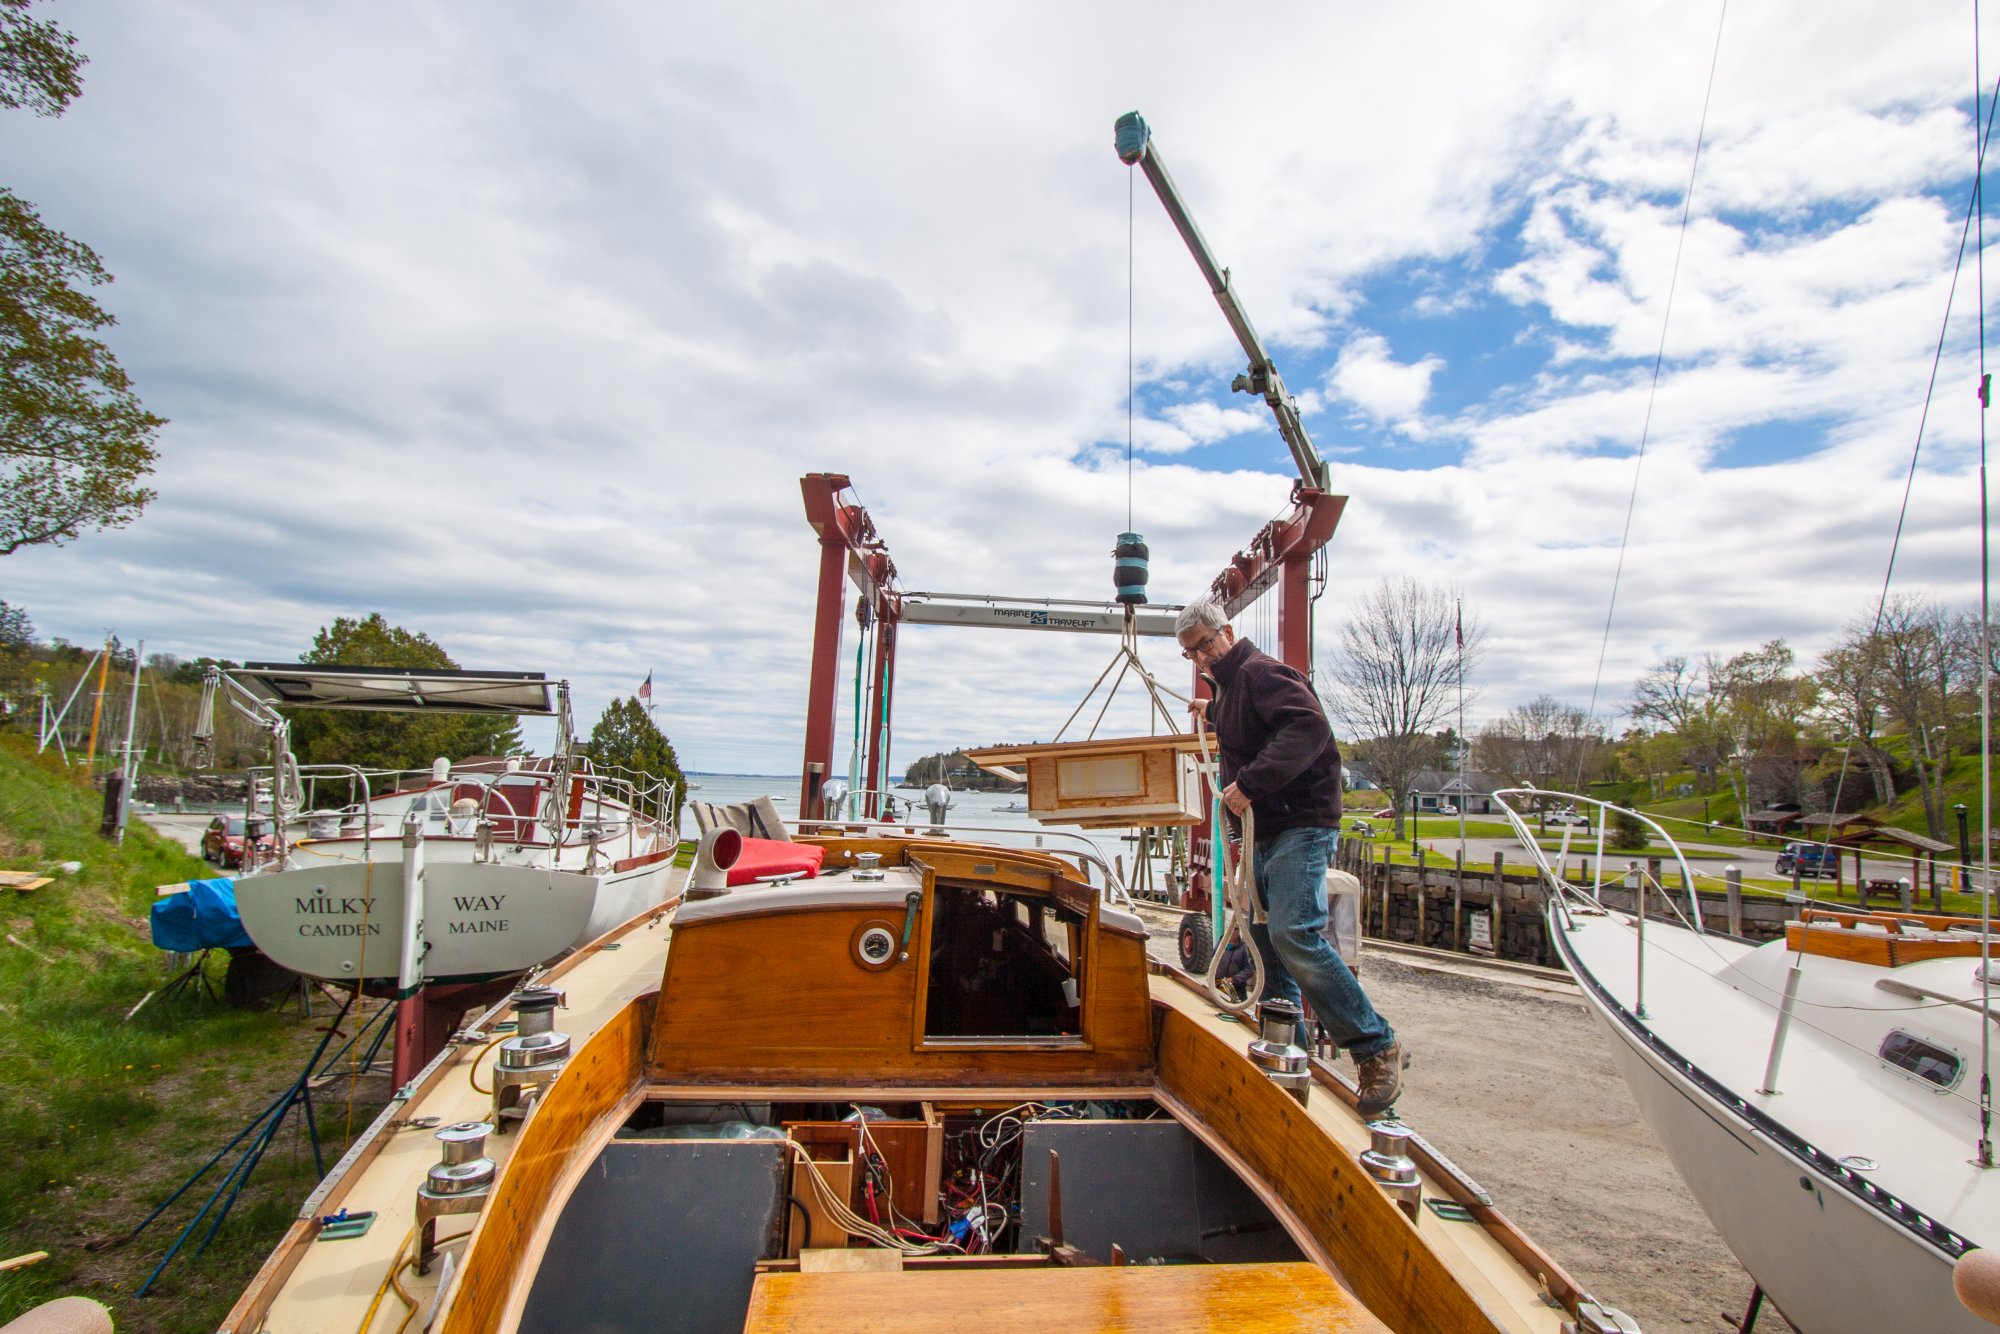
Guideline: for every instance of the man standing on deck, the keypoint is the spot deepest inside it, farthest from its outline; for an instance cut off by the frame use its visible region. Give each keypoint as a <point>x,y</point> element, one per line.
<point>1280,761</point>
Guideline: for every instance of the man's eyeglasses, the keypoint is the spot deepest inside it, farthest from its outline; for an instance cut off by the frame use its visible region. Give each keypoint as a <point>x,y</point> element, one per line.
<point>1201,647</point>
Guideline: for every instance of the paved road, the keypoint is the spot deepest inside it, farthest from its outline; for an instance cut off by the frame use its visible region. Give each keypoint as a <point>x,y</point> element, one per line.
<point>184,829</point>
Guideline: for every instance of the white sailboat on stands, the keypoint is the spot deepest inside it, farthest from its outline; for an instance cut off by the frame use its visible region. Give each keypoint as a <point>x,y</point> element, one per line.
<point>439,887</point>
<point>1821,1093</point>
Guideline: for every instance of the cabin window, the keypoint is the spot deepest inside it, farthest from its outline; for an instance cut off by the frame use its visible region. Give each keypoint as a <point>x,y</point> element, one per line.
<point>1926,1060</point>
<point>1002,965</point>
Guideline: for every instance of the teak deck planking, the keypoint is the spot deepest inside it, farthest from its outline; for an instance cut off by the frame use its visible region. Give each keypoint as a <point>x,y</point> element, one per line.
<point>1129,1299</point>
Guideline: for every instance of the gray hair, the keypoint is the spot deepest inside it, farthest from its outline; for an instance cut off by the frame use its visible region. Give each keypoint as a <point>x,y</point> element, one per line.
<point>1205,612</point>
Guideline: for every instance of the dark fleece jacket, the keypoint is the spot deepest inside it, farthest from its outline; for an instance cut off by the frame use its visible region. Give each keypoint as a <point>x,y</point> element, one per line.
<point>1275,742</point>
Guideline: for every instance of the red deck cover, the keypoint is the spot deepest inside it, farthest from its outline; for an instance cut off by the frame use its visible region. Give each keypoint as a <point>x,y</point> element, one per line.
<point>766,856</point>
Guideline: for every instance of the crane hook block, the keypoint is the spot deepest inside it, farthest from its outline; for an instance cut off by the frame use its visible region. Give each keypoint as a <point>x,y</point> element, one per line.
<point>1129,570</point>
<point>1133,136</point>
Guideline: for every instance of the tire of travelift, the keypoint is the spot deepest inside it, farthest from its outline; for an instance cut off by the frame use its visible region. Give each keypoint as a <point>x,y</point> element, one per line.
<point>1197,942</point>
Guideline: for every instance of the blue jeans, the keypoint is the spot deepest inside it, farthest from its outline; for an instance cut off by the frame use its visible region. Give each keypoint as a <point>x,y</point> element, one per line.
<point>1291,883</point>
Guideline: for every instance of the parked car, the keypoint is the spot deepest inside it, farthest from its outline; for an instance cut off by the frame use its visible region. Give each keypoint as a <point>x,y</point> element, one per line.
<point>222,841</point>
<point>1814,859</point>
<point>1386,813</point>
<point>1446,808</point>
<point>1568,815</point>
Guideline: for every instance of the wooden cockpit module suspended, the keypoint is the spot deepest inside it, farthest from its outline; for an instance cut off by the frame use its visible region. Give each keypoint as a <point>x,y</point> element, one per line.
<point>1106,782</point>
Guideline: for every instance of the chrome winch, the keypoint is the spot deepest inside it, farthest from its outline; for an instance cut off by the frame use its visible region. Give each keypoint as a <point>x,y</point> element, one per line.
<point>458,1184</point>
<point>1277,1053</point>
<point>1387,1159</point>
<point>530,1060</point>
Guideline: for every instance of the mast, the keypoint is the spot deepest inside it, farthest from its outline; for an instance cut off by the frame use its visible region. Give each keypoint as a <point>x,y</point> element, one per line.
<point>128,770</point>
<point>1985,1158</point>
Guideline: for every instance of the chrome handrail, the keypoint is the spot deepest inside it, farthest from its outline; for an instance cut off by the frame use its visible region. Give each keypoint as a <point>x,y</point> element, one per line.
<point>1563,888</point>
<point>634,795</point>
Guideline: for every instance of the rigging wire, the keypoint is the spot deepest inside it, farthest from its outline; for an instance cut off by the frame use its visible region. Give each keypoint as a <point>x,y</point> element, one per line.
<point>1974,211</point>
<point>1653,392</point>
<point>1131,212</point>
<point>1985,639</point>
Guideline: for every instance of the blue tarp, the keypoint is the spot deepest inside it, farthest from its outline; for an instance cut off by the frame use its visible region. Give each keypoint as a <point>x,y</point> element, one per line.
<point>203,917</point>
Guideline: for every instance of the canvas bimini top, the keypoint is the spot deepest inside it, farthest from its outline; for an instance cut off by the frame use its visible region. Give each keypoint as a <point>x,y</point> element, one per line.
<point>398,689</point>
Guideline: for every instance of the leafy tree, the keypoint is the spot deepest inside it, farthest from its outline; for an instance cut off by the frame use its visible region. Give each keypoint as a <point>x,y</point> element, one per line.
<point>74,439</point>
<point>1403,655</point>
<point>182,672</point>
<point>17,647</point>
<point>1627,832</point>
<point>40,69</point>
<point>951,768</point>
<point>626,738</point>
<point>390,740</point>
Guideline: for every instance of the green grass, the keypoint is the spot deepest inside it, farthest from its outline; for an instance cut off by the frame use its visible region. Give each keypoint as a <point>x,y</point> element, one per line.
<point>102,1116</point>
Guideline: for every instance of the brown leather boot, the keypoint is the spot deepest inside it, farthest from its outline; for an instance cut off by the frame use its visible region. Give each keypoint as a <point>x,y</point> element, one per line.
<point>1379,1078</point>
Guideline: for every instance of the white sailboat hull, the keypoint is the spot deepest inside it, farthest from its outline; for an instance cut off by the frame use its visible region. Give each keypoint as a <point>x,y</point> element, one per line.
<point>343,921</point>
<point>1826,1244</point>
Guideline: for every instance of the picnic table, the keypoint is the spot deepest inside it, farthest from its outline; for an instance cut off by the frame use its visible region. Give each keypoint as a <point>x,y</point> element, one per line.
<point>1889,889</point>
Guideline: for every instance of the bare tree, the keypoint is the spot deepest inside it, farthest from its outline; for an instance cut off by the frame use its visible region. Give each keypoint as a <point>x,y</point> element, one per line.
<point>1850,704</point>
<point>1544,742</point>
<point>1686,699</point>
<point>1396,678</point>
<point>1925,660</point>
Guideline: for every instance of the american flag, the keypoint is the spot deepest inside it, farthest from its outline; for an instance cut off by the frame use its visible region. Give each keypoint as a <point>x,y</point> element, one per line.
<point>646,689</point>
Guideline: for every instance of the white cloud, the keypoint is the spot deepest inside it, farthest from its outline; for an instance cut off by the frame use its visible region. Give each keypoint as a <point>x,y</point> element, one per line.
<point>1368,376</point>
<point>1205,423</point>
<point>521,327</point>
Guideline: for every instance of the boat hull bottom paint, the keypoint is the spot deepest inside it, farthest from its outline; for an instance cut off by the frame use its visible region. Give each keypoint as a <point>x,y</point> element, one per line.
<point>344,921</point>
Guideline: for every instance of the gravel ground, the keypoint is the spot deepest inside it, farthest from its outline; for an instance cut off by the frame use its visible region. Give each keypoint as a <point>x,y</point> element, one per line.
<point>1516,1085</point>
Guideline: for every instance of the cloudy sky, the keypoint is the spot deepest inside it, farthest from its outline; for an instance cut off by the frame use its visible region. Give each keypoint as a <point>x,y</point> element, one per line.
<point>519,323</point>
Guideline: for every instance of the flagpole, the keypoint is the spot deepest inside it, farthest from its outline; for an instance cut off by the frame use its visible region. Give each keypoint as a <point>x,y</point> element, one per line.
<point>1464,793</point>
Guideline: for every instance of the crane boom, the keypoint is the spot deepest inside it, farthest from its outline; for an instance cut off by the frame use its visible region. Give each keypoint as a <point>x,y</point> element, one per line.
<point>1135,148</point>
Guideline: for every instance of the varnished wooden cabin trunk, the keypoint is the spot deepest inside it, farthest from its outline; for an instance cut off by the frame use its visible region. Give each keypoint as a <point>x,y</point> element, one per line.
<point>770,990</point>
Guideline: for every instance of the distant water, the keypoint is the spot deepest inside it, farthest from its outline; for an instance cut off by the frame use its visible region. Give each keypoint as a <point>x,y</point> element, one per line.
<point>969,810</point>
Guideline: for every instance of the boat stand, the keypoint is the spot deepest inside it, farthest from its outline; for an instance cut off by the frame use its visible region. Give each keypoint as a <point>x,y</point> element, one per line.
<point>259,1132</point>
<point>1750,1314</point>
<point>190,981</point>
<point>331,1069</point>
